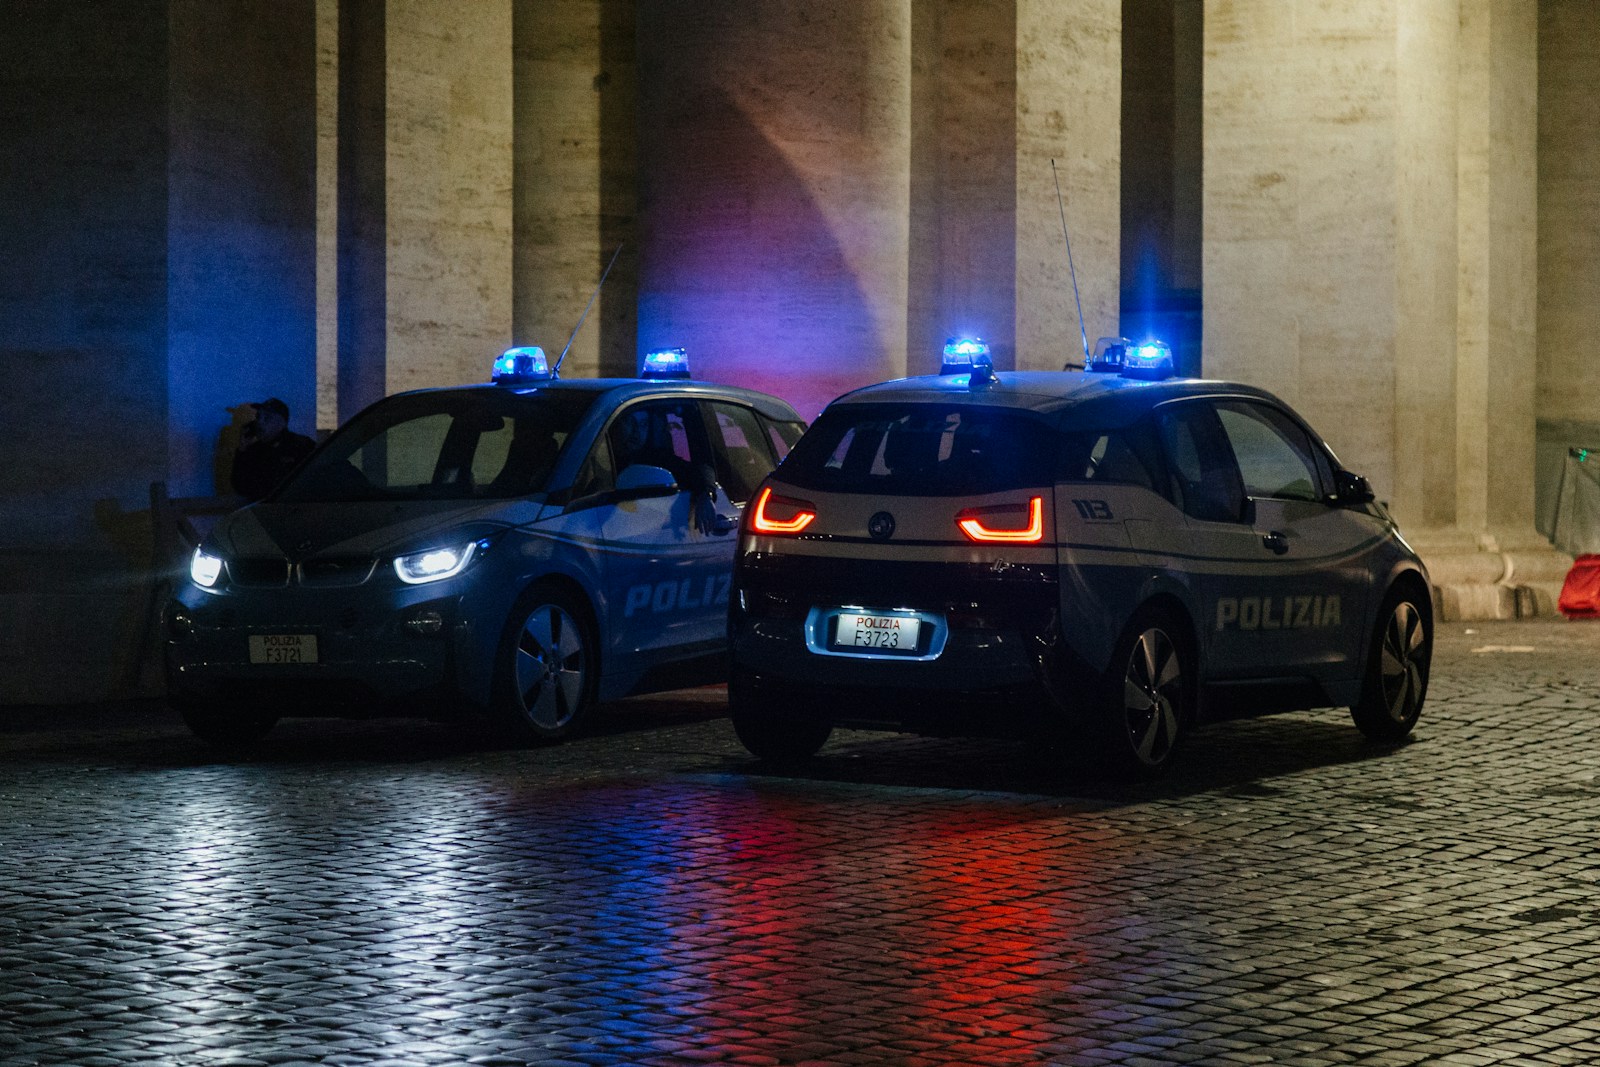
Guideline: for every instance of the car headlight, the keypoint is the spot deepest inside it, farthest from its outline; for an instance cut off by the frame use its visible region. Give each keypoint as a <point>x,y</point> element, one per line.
<point>437,564</point>
<point>204,568</point>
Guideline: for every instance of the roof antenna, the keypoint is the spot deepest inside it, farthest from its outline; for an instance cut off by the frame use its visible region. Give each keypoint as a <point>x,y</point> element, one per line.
<point>1062,205</point>
<point>555,372</point>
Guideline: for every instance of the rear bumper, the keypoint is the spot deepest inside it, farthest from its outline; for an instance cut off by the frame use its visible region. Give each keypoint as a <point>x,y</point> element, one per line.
<point>1002,670</point>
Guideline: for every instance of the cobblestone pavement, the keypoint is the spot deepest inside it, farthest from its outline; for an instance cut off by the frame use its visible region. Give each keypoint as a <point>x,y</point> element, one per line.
<point>404,893</point>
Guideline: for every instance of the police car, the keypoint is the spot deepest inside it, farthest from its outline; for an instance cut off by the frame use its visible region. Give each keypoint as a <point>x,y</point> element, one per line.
<point>1108,556</point>
<point>529,546</point>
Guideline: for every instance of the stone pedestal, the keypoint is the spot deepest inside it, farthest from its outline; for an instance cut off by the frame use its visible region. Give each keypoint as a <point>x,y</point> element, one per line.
<point>1484,575</point>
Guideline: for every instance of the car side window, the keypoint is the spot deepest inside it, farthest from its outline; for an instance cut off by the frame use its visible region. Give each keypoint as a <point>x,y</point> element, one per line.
<point>1274,455</point>
<point>667,434</point>
<point>1111,456</point>
<point>739,449</point>
<point>598,474</point>
<point>1205,478</point>
<point>782,435</point>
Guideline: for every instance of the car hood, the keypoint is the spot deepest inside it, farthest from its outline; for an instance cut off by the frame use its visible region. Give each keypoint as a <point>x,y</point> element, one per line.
<point>362,529</point>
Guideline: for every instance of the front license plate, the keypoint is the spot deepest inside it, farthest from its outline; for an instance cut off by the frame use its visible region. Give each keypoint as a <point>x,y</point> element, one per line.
<point>283,648</point>
<point>883,633</point>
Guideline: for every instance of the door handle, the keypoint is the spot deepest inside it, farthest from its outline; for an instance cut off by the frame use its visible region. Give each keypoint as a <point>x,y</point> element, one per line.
<point>724,524</point>
<point>1275,541</point>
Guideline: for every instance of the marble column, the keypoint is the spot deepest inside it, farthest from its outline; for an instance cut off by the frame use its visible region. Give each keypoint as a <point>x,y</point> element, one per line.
<point>241,245</point>
<point>1330,227</point>
<point>576,167</point>
<point>1569,238</point>
<point>156,270</point>
<point>1369,256</point>
<point>1001,89</point>
<point>773,190</point>
<point>425,204</point>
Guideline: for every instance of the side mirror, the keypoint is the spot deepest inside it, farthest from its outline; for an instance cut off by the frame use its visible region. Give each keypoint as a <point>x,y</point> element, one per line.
<point>640,480</point>
<point>1350,488</point>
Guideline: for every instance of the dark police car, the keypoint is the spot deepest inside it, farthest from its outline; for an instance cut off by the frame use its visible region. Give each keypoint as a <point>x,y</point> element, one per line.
<point>529,546</point>
<point>1109,557</point>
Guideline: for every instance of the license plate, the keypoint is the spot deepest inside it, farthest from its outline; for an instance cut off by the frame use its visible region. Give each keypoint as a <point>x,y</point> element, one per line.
<point>283,648</point>
<point>884,633</point>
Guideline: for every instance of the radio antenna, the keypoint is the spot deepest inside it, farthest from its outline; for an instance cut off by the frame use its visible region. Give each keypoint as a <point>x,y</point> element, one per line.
<point>1062,205</point>
<point>555,372</point>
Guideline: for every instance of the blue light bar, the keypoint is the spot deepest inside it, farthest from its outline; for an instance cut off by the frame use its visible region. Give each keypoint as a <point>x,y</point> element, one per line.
<point>962,355</point>
<point>665,363</point>
<point>1151,361</point>
<point>516,365</point>
<point>1108,355</point>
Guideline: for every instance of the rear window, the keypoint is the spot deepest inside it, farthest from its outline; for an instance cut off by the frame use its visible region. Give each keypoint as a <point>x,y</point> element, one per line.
<point>922,450</point>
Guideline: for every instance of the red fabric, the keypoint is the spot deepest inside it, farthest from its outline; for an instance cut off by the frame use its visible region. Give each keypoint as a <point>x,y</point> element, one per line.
<point>1580,593</point>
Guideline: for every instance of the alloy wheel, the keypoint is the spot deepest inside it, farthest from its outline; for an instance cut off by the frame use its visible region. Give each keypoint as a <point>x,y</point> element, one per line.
<point>1152,693</point>
<point>549,667</point>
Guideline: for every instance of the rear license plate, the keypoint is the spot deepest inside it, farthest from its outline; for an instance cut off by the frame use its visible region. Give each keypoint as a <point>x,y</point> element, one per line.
<point>883,633</point>
<point>283,648</point>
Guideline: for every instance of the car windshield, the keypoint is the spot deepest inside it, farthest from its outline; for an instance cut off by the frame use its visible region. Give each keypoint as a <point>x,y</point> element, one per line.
<point>922,450</point>
<point>481,444</point>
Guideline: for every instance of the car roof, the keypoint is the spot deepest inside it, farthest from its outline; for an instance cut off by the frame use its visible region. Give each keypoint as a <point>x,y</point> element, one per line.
<point>1104,399</point>
<point>621,390</point>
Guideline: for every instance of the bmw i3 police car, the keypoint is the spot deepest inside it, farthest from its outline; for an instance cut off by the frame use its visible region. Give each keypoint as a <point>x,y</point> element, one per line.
<point>530,546</point>
<point>1111,556</point>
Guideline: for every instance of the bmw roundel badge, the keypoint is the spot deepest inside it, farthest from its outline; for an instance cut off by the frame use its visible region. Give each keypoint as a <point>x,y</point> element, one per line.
<point>881,526</point>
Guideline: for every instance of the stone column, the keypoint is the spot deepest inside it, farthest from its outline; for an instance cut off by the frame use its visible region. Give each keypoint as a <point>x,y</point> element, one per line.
<point>241,248</point>
<point>1496,550</point>
<point>1569,239</point>
<point>1369,227</point>
<point>1069,108</point>
<point>449,100</point>
<point>156,269</point>
<point>425,215</point>
<point>575,174</point>
<point>1330,228</point>
<point>773,185</point>
<point>1002,88</point>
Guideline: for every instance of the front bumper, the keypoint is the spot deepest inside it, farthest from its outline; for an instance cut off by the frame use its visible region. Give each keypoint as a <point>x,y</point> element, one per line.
<point>378,651</point>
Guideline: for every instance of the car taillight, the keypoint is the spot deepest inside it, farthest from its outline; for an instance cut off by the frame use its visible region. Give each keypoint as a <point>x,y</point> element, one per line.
<point>764,517</point>
<point>982,524</point>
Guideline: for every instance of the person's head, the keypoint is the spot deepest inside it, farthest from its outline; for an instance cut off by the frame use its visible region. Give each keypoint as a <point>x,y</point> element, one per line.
<point>272,418</point>
<point>634,433</point>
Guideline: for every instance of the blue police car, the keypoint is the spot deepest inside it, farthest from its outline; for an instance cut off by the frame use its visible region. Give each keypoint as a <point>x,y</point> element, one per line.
<point>1110,557</point>
<point>528,546</point>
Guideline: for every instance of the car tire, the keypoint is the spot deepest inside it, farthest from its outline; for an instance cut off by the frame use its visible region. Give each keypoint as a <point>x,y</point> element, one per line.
<point>547,668</point>
<point>1396,680</point>
<point>1146,698</point>
<point>765,724</point>
<point>225,727</point>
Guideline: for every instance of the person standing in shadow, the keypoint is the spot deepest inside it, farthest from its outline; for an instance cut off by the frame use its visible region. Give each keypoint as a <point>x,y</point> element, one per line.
<point>267,451</point>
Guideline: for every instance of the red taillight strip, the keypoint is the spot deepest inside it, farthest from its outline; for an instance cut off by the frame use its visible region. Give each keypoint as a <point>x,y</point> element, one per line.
<point>760,522</point>
<point>974,528</point>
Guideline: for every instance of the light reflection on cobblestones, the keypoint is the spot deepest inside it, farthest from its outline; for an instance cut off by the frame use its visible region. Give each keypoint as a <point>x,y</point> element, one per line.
<point>400,894</point>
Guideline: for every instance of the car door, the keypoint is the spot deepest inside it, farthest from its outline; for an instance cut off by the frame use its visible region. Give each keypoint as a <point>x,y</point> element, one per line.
<point>1320,572</point>
<point>1232,571</point>
<point>667,558</point>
